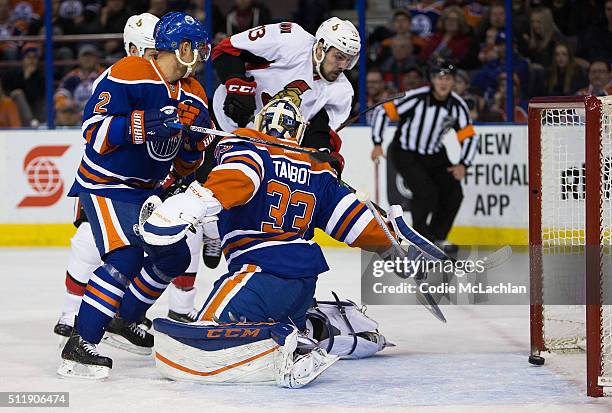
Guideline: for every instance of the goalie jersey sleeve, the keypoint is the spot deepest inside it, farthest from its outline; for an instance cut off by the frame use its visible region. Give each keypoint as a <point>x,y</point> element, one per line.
<point>114,167</point>
<point>273,200</point>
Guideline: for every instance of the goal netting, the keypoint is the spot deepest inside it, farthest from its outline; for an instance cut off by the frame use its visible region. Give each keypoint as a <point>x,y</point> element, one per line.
<point>570,157</point>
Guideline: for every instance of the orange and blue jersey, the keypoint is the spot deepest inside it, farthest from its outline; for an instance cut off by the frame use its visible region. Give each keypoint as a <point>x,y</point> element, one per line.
<point>112,166</point>
<point>273,199</point>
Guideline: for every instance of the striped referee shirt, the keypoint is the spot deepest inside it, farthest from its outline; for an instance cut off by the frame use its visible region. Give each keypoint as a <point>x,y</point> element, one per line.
<point>423,121</point>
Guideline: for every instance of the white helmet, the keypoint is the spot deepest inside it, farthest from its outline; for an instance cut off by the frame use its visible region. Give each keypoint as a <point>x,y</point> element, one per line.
<point>139,32</point>
<point>340,34</point>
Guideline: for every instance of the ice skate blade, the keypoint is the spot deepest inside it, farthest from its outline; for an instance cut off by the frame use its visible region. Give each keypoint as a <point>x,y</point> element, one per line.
<point>73,369</point>
<point>117,341</point>
<point>61,342</point>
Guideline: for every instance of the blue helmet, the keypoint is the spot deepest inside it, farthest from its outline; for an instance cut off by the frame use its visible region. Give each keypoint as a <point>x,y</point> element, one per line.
<point>175,27</point>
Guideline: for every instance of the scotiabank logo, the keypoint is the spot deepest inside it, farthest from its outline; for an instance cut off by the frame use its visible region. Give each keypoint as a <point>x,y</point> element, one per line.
<point>43,176</point>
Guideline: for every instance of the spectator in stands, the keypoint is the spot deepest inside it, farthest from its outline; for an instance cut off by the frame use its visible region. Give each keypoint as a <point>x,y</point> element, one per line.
<point>462,83</point>
<point>412,79</point>
<point>599,79</point>
<point>394,68</point>
<point>197,9</point>
<point>474,12</point>
<point>375,90</point>
<point>244,15</point>
<point>67,113</point>
<point>76,86</point>
<point>542,38</point>
<point>485,80</point>
<point>113,17</point>
<point>158,7</point>
<point>451,41</point>
<point>9,115</point>
<point>425,15</point>
<point>29,80</point>
<point>380,40</point>
<point>311,13</point>
<point>564,76</point>
<point>496,19</point>
<point>487,51</point>
<point>9,50</point>
<point>597,40</point>
<point>499,103</point>
<point>564,15</point>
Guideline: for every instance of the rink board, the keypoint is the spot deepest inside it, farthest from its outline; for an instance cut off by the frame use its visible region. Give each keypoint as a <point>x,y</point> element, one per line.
<point>37,168</point>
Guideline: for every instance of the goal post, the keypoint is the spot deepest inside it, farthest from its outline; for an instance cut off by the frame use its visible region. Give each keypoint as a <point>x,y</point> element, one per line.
<point>570,227</point>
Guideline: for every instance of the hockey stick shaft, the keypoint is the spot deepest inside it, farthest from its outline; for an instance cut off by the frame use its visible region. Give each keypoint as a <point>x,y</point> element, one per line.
<point>425,299</point>
<point>354,119</point>
<point>316,155</point>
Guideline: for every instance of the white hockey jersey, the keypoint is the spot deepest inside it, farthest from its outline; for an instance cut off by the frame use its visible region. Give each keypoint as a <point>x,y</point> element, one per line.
<point>288,71</point>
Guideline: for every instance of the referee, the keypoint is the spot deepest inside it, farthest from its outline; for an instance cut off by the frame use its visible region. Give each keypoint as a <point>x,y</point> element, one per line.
<point>424,115</point>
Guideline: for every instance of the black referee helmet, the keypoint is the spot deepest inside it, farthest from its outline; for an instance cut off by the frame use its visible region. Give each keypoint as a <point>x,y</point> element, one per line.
<point>441,68</point>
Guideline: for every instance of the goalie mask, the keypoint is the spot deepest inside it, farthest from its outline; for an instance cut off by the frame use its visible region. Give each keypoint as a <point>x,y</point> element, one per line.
<point>282,119</point>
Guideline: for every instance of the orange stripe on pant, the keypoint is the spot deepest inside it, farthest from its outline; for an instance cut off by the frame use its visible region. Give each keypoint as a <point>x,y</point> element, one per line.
<point>102,296</point>
<point>146,289</point>
<point>219,370</point>
<point>230,283</point>
<point>114,240</point>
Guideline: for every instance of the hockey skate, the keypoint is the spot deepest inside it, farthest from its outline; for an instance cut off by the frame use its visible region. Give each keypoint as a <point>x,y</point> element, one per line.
<point>63,328</point>
<point>80,359</point>
<point>128,337</point>
<point>211,252</point>
<point>180,304</point>
<point>189,317</point>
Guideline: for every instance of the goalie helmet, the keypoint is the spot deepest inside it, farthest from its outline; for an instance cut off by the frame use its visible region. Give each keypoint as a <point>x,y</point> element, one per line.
<point>139,32</point>
<point>176,27</point>
<point>281,118</point>
<point>340,34</point>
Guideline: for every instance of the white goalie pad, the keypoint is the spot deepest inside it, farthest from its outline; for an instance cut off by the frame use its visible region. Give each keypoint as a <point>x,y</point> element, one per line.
<point>256,353</point>
<point>343,329</point>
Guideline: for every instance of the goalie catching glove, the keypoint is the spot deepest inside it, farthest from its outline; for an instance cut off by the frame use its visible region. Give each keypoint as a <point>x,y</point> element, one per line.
<point>169,221</point>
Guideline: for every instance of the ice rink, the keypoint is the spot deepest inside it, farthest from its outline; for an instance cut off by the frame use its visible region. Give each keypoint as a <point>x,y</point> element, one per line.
<point>477,362</point>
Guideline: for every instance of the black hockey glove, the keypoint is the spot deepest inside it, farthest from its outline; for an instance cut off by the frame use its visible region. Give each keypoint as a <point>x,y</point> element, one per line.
<point>239,103</point>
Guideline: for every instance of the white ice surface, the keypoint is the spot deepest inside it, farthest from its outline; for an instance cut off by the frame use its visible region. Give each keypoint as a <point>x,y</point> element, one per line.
<point>477,362</point>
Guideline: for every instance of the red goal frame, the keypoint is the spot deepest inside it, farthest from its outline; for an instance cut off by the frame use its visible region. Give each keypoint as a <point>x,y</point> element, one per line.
<point>592,106</point>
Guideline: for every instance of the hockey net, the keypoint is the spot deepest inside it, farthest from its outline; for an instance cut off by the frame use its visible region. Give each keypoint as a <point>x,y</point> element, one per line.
<point>570,231</point>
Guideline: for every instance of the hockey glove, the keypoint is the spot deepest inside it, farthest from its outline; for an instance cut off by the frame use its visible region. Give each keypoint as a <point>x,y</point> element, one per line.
<point>193,116</point>
<point>175,184</point>
<point>170,221</point>
<point>150,125</point>
<point>239,103</point>
<point>337,162</point>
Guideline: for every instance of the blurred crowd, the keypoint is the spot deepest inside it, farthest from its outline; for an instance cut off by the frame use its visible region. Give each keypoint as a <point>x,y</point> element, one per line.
<point>560,47</point>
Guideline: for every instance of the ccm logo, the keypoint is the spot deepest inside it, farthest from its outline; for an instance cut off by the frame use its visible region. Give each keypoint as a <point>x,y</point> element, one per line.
<point>43,176</point>
<point>232,332</point>
<point>241,89</point>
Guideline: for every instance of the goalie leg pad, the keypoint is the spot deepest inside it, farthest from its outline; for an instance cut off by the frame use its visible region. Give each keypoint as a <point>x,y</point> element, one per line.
<point>343,329</point>
<point>228,353</point>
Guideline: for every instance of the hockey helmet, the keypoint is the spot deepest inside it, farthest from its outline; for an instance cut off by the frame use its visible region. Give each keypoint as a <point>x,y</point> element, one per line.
<point>139,32</point>
<point>281,118</point>
<point>441,68</point>
<point>176,27</point>
<point>340,34</point>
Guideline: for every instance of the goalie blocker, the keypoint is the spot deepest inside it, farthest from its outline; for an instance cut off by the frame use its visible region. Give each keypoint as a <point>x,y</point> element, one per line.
<point>209,352</point>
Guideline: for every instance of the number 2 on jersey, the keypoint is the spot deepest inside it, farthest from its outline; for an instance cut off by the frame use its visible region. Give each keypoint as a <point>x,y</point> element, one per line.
<point>286,198</point>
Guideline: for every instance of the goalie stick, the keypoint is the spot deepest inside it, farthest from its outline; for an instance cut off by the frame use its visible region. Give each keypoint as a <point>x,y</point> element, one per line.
<point>425,298</point>
<point>409,234</point>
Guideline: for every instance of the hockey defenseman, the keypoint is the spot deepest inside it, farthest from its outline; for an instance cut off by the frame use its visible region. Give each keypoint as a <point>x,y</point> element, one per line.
<point>272,200</point>
<point>283,60</point>
<point>129,151</point>
<point>84,257</point>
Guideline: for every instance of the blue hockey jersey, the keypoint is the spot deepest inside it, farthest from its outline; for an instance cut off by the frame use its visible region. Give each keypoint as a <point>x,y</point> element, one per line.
<point>273,200</point>
<point>112,166</point>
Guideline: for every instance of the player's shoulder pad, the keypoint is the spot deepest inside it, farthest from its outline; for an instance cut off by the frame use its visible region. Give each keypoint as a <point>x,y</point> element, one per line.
<point>192,87</point>
<point>295,34</point>
<point>132,69</point>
